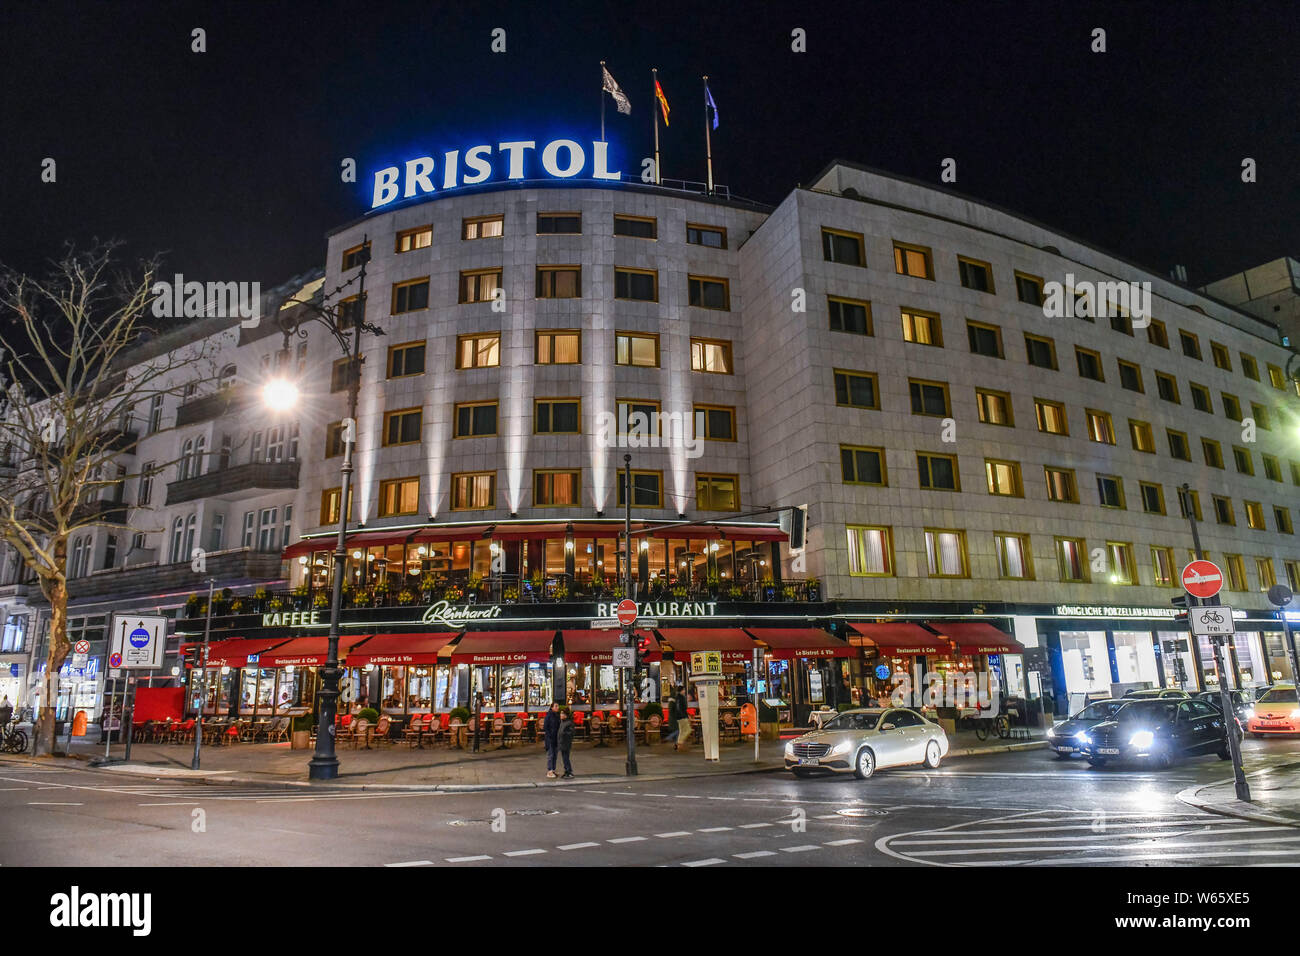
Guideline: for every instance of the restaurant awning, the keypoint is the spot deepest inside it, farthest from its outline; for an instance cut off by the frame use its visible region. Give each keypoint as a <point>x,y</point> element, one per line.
<point>234,652</point>
<point>597,647</point>
<point>400,649</point>
<point>308,651</point>
<point>722,532</point>
<point>362,539</point>
<point>503,647</point>
<point>549,529</point>
<point>977,637</point>
<point>734,643</point>
<point>903,637</point>
<point>788,643</point>
<point>465,532</point>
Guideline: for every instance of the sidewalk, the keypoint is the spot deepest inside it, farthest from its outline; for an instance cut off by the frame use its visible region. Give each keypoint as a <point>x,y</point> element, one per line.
<point>439,767</point>
<point>1274,796</point>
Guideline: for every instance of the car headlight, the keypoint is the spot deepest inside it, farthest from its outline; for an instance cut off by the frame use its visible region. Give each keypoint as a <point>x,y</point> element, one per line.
<point>1142,739</point>
<point>1051,731</point>
<point>1086,738</point>
<point>1250,713</point>
<point>1295,715</point>
<point>789,749</point>
<point>842,748</point>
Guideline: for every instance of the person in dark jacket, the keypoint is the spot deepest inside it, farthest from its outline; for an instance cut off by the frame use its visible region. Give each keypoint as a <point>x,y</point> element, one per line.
<point>550,733</point>
<point>565,739</point>
<point>673,705</point>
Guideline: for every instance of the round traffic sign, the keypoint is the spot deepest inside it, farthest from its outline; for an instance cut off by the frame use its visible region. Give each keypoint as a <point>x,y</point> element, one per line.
<point>139,637</point>
<point>114,660</point>
<point>81,647</point>
<point>1202,579</point>
<point>626,613</point>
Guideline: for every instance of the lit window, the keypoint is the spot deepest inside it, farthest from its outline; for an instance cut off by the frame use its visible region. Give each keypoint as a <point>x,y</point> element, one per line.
<point>1003,478</point>
<point>558,347</point>
<point>559,282</point>
<point>633,348</point>
<point>1072,559</point>
<point>913,261</point>
<point>922,328</point>
<point>399,496</point>
<point>945,553</point>
<point>1013,556</point>
<point>480,285</point>
<point>1061,485</point>
<point>710,355</point>
<point>871,551</point>
<point>408,240</point>
<point>478,351</point>
<point>473,491</point>
<point>717,493</point>
<point>483,227</point>
<point>994,407</point>
<point>554,488</point>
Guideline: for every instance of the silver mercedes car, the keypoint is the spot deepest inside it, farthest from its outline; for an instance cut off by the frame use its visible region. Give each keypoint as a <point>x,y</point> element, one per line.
<point>861,741</point>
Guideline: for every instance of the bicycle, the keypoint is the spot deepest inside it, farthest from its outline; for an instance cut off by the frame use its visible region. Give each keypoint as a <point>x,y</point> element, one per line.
<point>1000,725</point>
<point>14,740</point>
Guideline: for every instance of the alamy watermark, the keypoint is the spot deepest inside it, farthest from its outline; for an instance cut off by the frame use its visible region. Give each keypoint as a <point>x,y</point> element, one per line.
<point>198,300</point>
<point>1094,300</point>
<point>652,430</point>
<point>978,689</point>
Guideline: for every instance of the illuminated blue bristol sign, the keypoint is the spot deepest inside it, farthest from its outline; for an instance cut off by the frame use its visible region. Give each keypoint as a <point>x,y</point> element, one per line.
<point>559,159</point>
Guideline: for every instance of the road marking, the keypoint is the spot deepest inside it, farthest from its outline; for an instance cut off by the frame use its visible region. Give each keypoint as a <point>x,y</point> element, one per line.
<point>709,862</point>
<point>722,798</point>
<point>532,852</point>
<point>595,791</point>
<point>632,839</point>
<point>32,803</point>
<point>712,829</point>
<point>688,796</point>
<point>753,855</point>
<point>467,859</point>
<point>800,849</point>
<point>412,863</point>
<point>977,837</point>
<point>577,846</point>
<point>1173,848</point>
<point>828,816</point>
<point>754,826</point>
<point>1161,855</point>
<point>187,803</point>
<point>675,833</point>
<point>6,789</point>
<point>841,842</point>
<point>654,794</point>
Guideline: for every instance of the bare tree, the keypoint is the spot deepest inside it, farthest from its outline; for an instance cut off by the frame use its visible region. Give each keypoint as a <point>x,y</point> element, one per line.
<point>77,361</point>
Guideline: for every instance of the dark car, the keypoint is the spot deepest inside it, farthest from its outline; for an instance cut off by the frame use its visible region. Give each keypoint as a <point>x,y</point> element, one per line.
<point>1151,693</point>
<point>1066,738</point>
<point>1158,731</point>
<point>1241,704</point>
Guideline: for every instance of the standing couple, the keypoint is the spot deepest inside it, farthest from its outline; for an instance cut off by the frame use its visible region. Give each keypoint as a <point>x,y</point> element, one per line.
<point>557,730</point>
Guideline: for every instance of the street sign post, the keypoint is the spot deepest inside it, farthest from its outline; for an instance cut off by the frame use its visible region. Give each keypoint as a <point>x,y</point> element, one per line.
<point>1211,621</point>
<point>1202,579</point>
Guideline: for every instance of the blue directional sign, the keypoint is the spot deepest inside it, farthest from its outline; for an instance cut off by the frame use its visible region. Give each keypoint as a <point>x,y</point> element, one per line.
<point>139,637</point>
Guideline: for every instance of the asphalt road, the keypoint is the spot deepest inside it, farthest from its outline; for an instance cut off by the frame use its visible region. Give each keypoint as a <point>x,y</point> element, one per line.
<point>1014,809</point>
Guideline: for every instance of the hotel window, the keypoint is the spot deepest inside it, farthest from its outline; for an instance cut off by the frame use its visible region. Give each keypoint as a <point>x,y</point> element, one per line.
<point>1276,377</point>
<point>355,256</point>
<point>333,439</point>
<point>329,505</point>
<point>1260,414</point>
<point>929,398</point>
<point>1189,504</point>
<point>1029,289</point>
<point>717,492</point>
<point>1040,351</point>
<point>1003,478</point>
<point>975,274</point>
<point>1014,561</point>
<point>862,466</point>
<point>1295,472</point>
<point>636,227</point>
<point>407,359</point>
<point>343,373</point>
<point>1241,458</point>
<point>476,420</point>
<point>473,491</point>
<point>557,347</point>
<point>1266,573</point>
<point>408,240</point>
<point>352,310</point>
<point>708,293</point>
<point>1201,398</point>
<point>913,261</point>
<point>1119,321</point>
<point>719,421</point>
<point>641,417</point>
<point>1254,515</point>
<point>1223,513</point>
<point>1083,307</point>
<point>559,282</point>
<point>559,224</point>
<point>400,496</point>
<point>1157,335</point>
<point>856,389</point>
<point>647,489</point>
<point>945,553</point>
<point>871,551</point>
<point>1282,518</point>
<point>843,247</point>
<point>1212,452</point>
<point>1249,367</point>
<point>1292,574</point>
<point>994,407</point>
<point>1231,406</point>
<point>1051,417</point>
<point>483,227</point>
<point>849,315</point>
<point>1110,491</point>
<point>1191,344</point>
<point>638,284</point>
<point>715,237</point>
<point>1123,569</point>
<point>478,351</point>
<point>554,488</point>
<point>1099,424</point>
<point>636,348</point>
<point>1072,559</point>
<point>479,285</point>
<point>402,427</point>
<point>556,416</point>
<point>922,328</point>
<point>1167,387</point>
<point>1236,570</point>
<point>1153,498</point>
<point>711,355</point>
<point>410,296</point>
<point>1142,437</point>
<point>1162,565</point>
<point>1221,357</point>
<point>938,472</point>
<point>1089,364</point>
<point>1061,485</point>
<point>1130,376</point>
<point>1272,470</point>
<point>984,339</point>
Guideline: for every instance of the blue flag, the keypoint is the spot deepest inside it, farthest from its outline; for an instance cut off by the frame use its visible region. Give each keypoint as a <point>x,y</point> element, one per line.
<point>708,98</point>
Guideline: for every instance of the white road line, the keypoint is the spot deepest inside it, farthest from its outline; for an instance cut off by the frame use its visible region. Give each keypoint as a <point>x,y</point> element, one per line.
<point>32,803</point>
<point>687,796</point>
<point>800,849</point>
<point>712,829</point>
<point>187,803</point>
<point>675,833</point>
<point>828,816</point>
<point>755,826</point>
<point>709,862</point>
<point>753,855</point>
<point>1162,855</point>
<point>7,789</point>
<point>1110,825</point>
<point>654,794</point>
<point>1172,848</point>
<point>595,791</point>
<point>975,837</point>
<point>467,859</point>
<point>577,846</point>
<point>532,852</point>
<point>841,842</point>
<point>412,863</point>
<point>722,798</point>
<point>632,839</point>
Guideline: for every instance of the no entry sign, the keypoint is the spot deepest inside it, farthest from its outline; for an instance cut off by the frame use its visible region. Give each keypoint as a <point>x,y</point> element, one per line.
<point>1202,579</point>
<point>626,612</point>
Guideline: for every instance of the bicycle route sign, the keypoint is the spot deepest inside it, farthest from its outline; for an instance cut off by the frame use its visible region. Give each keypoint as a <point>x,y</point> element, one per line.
<point>1211,621</point>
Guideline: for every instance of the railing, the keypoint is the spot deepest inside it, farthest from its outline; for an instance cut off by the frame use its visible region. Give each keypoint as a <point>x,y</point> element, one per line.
<point>226,481</point>
<point>211,406</point>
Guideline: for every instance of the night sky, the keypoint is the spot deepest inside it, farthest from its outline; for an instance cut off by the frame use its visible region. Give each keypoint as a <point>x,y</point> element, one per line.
<point>227,162</point>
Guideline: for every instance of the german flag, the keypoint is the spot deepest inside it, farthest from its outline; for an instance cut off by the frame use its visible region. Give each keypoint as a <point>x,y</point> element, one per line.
<point>663,100</point>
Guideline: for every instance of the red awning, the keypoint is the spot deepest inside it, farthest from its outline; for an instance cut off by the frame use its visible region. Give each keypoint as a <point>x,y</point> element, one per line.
<point>734,643</point>
<point>903,637</point>
<point>362,539</point>
<point>724,532</point>
<point>503,647</point>
<point>308,651</point>
<point>978,637</point>
<point>400,649</point>
<point>788,643</point>
<point>597,647</point>
<point>234,652</point>
<point>552,529</point>
<point>463,532</point>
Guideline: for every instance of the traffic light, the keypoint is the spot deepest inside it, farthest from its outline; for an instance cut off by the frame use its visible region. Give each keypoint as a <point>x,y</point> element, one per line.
<point>192,655</point>
<point>1181,603</point>
<point>794,522</point>
<point>642,648</point>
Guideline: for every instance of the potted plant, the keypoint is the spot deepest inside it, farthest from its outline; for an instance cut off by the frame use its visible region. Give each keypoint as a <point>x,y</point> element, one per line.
<point>789,592</point>
<point>259,598</point>
<point>192,605</point>
<point>474,582</point>
<point>735,592</point>
<point>769,588</point>
<point>406,596</point>
<point>460,715</point>
<point>713,582</point>
<point>616,591</point>
<point>452,594</point>
<point>300,595</point>
<point>321,600</point>
<point>561,592</point>
<point>380,591</point>
<point>679,591</point>
<point>275,604</point>
<point>510,595</point>
<point>814,589</point>
<point>237,606</point>
<point>427,583</point>
<point>300,739</point>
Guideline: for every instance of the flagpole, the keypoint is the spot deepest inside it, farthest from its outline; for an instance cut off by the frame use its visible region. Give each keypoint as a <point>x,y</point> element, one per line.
<point>708,139</point>
<point>654,98</point>
<point>602,101</point>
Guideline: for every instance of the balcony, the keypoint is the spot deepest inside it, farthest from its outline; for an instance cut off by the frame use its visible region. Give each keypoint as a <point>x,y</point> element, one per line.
<point>228,484</point>
<point>213,406</point>
<point>228,567</point>
<point>106,510</point>
<point>120,439</point>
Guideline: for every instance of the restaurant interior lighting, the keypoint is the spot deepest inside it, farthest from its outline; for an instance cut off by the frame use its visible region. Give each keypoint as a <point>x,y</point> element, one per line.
<point>645,545</point>
<point>176,671</point>
<point>357,555</point>
<point>288,668</point>
<point>302,559</point>
<point>421,550</point>
<point>225,669</point>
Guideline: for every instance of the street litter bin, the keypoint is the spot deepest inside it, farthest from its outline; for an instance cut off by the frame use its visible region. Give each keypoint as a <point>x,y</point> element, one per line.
<point>79,724</point>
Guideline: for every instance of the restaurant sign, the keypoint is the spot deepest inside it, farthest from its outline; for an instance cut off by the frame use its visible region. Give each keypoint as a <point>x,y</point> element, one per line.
<point>292,619</point>
<point>1078,610</point>
<point>664,609</point>
<point>457,617</point>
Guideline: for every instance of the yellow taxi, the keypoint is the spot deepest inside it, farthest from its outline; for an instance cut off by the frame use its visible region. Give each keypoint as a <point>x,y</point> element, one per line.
<point>1277,711</point>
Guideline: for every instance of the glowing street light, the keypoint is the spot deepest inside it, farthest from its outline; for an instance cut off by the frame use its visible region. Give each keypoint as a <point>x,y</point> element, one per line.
<point>280,395</point>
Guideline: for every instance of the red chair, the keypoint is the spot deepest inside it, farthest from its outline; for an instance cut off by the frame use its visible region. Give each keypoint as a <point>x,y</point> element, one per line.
<point>443,730</point>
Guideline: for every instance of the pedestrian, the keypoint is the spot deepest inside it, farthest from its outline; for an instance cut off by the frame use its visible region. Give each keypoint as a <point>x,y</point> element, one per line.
<point>673,729</point>
<point>683,722</point>
<point>565,739</point>
<point>6,710</point>
<point>551,734</point>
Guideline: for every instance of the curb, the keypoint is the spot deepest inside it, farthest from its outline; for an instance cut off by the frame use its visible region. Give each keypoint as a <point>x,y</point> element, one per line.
<point>1238,809</point>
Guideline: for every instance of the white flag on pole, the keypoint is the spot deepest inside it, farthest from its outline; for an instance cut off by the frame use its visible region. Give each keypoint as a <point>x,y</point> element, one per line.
<point>612,88</point>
